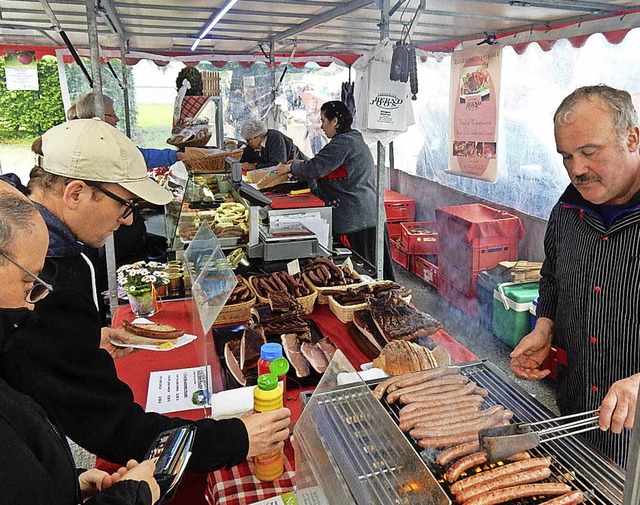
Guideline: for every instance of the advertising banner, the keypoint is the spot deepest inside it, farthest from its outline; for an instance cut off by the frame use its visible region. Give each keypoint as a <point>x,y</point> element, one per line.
<point>474,99</point>
<point>389,105</point>
<point>21,70</point>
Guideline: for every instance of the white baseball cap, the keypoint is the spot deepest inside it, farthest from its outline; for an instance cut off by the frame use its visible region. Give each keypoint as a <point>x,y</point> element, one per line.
<point>92,150</point>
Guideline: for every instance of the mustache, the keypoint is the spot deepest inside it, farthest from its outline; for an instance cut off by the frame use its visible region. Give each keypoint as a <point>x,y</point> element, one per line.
<point>584,179</point>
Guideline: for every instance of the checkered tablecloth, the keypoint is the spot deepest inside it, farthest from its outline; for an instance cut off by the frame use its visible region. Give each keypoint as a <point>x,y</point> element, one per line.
<point>191,106</point>
<point>238,486</point>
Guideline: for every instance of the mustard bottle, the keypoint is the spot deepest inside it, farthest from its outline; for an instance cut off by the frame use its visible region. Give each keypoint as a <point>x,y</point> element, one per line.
<point>267,396</point>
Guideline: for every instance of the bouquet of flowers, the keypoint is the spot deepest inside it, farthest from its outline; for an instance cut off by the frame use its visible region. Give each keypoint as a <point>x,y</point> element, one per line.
<point>140,277</point>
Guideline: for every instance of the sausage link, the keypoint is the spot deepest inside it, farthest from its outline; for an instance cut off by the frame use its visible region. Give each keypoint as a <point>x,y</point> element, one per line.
<point>463,464</point>
<point>572,498</point>
<point>409,379</point>
<point>500,471</point>
<point>431,386</point>
<point>467,389</point>
<point>517,479</point>
<point>481,423</point>
<point>519,456</point>
<point>517,492</point>
<point>460,418</point>
<point>457,451</point>
<point>436,418</point>
<point>457,401</point>
<point>442,442</point>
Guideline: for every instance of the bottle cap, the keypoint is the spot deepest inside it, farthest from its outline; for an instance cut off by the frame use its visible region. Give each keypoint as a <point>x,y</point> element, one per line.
<point>271,351</point>
<point>279,367</point>
<point>267,381</point>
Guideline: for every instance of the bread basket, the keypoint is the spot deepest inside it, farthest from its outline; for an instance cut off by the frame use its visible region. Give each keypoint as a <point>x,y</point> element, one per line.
<point>323,299</point>
<point>201,162</point>
<point>237,312</point>
<point>307,302</point>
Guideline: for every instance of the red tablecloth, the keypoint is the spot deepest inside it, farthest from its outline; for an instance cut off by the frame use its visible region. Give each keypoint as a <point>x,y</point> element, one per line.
<point>236,486</point>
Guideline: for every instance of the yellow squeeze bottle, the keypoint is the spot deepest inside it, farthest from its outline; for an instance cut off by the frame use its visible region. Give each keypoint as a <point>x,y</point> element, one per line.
<point>267,396</point>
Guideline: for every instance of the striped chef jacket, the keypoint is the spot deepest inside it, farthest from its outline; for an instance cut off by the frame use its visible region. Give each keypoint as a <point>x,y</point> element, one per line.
<point>590,288</point>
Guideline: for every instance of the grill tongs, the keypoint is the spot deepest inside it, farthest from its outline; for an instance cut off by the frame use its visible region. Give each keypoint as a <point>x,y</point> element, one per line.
<point>503,441</point>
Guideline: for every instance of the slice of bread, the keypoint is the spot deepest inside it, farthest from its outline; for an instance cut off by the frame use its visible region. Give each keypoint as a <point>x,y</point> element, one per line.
<point>152,330</point>
<point>138,340</point>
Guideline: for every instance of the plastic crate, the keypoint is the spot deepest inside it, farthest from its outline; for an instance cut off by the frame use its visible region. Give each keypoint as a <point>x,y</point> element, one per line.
<point>511,316</point>
<point>420,238</point>
<point>399,207</point>
<point>462,279</point>
<point>466,303</point>
<point>475,257</point>
<point>394,229</point>
<point>427,270</point>
<point>399,255</point>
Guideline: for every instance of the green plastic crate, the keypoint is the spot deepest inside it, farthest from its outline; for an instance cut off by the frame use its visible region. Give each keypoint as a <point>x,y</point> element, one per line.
<point>511,317</point>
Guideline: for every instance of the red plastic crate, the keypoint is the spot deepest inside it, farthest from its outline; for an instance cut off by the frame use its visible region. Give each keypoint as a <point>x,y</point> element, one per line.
<point>426,270</point>
<point>462,279</point>
<point>394,229</point>
<point>399,207</point>
<point>476,258</point>
<point>399,255</point>
<point>468,304</point>
<point>476,222</point>
<point>420,238</point>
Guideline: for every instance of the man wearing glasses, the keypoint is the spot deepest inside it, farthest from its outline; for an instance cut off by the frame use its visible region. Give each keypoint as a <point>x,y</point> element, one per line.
<point>86,183</point>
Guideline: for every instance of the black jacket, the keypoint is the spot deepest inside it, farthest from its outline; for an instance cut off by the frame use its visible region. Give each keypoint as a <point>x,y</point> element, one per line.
<point>36,465</point>
<point>60,351</point>
<point>278,148</point>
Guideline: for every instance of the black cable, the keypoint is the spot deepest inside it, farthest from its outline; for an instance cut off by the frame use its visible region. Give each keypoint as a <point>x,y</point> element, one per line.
<point>76,57</point>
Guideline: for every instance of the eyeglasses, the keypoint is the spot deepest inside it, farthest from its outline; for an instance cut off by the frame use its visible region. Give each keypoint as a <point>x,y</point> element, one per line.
<point>130,206</point>
<point>110,115</point>
<point>39,290</point>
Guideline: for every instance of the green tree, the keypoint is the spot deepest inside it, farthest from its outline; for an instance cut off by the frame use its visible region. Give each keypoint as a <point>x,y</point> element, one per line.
<point>28,114</point>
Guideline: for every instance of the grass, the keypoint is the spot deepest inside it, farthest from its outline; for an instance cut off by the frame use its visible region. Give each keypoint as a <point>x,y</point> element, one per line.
<point>16,157</point>
<point>154,114</point>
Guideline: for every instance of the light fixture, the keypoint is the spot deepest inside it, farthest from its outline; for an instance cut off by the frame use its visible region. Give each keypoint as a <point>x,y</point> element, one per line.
<point>213,23</point>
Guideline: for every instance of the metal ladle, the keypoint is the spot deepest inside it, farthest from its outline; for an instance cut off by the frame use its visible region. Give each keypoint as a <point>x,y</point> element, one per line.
<point>504,441</point>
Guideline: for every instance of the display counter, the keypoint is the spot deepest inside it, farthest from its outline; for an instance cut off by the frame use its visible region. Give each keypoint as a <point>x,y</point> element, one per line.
<point>236,485</point>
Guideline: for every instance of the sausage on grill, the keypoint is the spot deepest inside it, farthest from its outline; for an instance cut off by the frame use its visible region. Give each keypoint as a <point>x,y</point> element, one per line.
<point>463,464</point>
<point>515,479</point>
<point>457,451</point>
<point>468,389</point>
<point>439,385</point>
<point>455,403</point>
<point>461,417</point>
<point>409,379</point>
<point>501,471</point>
<point>517,492</point>
<point>572,498</point>
<point>446,415</point>
<point>481,423</point>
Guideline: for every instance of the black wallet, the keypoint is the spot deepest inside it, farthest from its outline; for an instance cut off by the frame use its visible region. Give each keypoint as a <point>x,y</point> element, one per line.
<point>171,451</point>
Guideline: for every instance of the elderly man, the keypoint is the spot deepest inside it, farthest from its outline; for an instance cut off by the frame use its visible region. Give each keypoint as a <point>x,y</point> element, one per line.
<point>266,148</point>
<point>87,182</point>
<point>36,467</point>
<point>591,274</point>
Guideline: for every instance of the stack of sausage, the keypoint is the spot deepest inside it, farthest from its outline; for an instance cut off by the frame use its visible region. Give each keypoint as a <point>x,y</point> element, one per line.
<point>323,272</point>
<point>278,282</point>
<point>241,293</point>
<point>442,409</point>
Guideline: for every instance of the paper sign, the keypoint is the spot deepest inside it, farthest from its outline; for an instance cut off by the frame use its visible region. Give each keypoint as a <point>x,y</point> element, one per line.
<point>308,496</point>
<point>178,390</point>
<point>21,70</point>
<point>293,267</point>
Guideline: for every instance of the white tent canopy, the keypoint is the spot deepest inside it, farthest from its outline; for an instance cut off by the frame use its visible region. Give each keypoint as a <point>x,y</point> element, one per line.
<point>317,28</point>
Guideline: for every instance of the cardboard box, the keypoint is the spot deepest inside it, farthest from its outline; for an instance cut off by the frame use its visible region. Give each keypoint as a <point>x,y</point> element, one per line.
<point>266,177</point>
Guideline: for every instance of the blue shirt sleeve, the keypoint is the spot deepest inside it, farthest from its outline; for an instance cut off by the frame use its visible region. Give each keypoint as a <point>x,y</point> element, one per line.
<point>159,157</point>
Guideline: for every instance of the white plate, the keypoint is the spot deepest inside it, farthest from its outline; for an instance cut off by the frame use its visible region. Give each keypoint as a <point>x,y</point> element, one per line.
<point>183,340</point>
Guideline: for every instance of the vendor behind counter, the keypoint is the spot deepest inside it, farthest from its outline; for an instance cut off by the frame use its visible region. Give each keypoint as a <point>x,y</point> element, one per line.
<point>266,148</point>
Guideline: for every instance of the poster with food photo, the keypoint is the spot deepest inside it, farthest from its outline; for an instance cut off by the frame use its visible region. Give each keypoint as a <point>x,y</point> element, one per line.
<point>21,70</point>
<point>474,98</point>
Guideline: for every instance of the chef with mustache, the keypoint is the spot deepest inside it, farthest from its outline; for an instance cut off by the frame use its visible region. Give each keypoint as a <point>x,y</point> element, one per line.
<point>589,301</point>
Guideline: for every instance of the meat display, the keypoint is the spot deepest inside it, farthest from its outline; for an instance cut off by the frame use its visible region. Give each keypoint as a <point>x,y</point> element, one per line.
<point>363,321</point>
<point>252,340</point>
<point>397,320</point>
<point>291,346</point>
<point>279,282</point>
<point>232,359</point>
<point>315,356</point>
<point>323,272</point>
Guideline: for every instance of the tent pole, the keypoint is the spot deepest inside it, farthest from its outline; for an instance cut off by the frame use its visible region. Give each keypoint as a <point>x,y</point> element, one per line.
<point>272,60</point>
<point>381,160</point>
<point>92,29</point>
<point>125,85</point>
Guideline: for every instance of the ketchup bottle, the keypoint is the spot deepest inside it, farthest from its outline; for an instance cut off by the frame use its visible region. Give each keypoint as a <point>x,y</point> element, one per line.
<point>268,352</point>
<point>267,396</point>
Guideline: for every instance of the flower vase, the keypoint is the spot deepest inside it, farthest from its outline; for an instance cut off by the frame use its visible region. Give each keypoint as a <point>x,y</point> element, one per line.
<point>143,304</point>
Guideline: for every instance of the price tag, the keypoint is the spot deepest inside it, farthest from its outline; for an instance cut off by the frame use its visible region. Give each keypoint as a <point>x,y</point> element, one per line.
<point>293,267</point>
<point>348,264</point>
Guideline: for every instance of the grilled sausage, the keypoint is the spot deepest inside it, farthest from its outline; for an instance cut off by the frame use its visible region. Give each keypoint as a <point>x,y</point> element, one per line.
<point>517,492</point>
<point>432,386</point>
<point>572,498</point>
<point>463,464</point>
<point>501,471</point>
<point>468,389</point>
<point>455,402</point>
<point>409,379</point>
<point>519,456</point>
<point>459,418</point>
<point>517,479</point>
<point>436,417</point>
<point>448,441</point>
<point>457,451</point>
<point>480,423</point>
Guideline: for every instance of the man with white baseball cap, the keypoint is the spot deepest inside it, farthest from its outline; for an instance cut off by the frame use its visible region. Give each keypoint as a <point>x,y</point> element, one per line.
<point>86,183</point>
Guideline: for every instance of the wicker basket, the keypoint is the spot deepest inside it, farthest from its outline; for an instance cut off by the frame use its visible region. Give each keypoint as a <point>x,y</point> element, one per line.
<point>307,302</point>
<point>324,299</point>
<point>238,312</point>
<point>200,162</point>
<point>198,142</point>
<point>345,312</point>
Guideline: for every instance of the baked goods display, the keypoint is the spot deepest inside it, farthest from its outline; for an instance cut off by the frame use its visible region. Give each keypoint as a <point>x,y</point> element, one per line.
<point>229,220</point>
<point>400,357</point>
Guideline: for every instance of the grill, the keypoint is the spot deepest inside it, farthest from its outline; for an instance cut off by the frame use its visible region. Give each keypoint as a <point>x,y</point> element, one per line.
<point>378,464</point>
